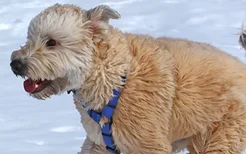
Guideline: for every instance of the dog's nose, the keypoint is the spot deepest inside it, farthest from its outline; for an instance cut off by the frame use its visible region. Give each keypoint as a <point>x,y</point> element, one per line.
<point>17,67</point>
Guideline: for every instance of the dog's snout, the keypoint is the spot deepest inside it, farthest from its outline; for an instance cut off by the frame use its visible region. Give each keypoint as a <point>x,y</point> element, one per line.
<point>17,67</point>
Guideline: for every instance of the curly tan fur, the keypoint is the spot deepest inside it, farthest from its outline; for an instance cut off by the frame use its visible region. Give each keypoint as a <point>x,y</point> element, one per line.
<point>178,93</point>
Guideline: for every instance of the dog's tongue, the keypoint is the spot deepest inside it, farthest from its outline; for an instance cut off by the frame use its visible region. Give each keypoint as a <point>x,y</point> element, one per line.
<point>30,86</point>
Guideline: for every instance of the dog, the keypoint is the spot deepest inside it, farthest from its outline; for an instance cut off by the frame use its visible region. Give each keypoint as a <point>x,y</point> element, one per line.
<point>172,93</point>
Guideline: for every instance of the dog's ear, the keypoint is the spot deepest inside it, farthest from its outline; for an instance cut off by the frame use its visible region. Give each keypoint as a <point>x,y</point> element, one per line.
<point>99,18</point>
<point>102,13</point>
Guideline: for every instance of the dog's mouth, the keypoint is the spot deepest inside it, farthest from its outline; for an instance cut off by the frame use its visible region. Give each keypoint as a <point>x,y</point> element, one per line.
<point>42,89</point>
<point>34,86</point>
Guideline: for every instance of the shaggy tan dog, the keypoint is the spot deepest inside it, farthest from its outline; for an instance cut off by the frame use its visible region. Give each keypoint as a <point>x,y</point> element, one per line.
<point>177,94</point>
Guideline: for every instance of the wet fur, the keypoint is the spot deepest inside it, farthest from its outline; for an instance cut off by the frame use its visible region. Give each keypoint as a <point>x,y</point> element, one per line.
<point>178,93</point>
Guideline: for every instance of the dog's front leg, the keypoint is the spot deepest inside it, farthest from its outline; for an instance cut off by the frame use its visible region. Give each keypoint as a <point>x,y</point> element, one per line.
<point>90,147</point>
<point>87,146</point>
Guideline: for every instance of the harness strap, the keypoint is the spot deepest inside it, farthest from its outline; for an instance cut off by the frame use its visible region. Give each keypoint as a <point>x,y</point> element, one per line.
<point>107,111</point>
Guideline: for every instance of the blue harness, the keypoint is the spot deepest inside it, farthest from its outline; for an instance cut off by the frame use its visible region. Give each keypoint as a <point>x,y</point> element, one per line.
<point>107,111</point>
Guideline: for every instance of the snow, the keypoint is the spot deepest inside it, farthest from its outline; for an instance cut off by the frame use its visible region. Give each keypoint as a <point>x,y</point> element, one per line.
<point>65,129</point>
<point>29,126</point>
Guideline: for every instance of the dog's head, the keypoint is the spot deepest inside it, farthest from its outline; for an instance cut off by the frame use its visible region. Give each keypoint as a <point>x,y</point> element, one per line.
<point>58,54</point>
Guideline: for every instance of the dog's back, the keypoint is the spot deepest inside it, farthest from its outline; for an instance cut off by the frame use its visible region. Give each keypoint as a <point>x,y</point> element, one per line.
<point>210,94</point>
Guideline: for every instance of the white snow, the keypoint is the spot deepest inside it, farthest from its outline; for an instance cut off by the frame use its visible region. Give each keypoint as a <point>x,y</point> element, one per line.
<point>30,126</point>
<point>65,129</point>
<point>4,26</point>
<point>35,142</point>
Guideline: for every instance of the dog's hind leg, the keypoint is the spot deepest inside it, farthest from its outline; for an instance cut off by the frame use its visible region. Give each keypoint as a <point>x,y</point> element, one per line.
<point>90,147</point>
<point>227,137</point>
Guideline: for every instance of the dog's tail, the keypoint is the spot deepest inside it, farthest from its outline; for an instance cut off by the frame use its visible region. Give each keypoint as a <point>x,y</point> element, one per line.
<point>242,37</point>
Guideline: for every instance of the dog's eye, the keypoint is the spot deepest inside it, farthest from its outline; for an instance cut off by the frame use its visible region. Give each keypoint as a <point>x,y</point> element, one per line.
<point>51,43</point>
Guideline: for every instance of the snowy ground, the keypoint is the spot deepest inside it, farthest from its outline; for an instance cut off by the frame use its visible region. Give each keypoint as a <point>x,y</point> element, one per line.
<point>29,126</point>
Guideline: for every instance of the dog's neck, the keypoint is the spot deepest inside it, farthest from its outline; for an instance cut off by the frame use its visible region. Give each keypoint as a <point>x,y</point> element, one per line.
<point>111,62</point>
